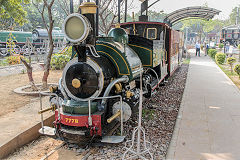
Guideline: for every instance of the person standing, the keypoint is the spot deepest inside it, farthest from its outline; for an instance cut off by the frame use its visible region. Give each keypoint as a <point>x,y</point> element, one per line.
<point>197,46</point>
<point>206,49</point>
<point>227,46</point>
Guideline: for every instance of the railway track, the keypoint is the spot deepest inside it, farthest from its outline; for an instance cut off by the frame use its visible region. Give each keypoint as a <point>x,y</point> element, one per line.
<point>62,152</point>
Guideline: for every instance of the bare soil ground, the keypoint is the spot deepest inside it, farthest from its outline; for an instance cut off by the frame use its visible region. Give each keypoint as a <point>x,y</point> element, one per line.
<point>10,101</point>
<point>36,150</point>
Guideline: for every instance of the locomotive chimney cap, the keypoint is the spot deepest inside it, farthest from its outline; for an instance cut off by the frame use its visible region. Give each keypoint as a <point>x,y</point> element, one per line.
<point>88,8</point>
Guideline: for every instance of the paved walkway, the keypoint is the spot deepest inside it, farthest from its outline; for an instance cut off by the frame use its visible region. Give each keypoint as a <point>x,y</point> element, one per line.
<point>208,125</point>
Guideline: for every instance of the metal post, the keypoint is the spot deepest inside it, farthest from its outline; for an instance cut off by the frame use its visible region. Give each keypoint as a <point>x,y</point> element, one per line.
<point>89,113</point>
<point>140,150</point>
<point>71,6</point>
<point>40,96</point>
<point>119,5</point>
<point>125,18</point>
<point>140,116</point>
<point>121,116</point>
<point>237,17</point>
<point>97,18</point>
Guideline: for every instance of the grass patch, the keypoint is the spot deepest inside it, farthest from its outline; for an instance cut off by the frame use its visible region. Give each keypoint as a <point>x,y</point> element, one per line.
<point>226,69</point>
<point>148,114</point>
<point>3,62</point>
<point>186,61</point>
<point>232,75</point>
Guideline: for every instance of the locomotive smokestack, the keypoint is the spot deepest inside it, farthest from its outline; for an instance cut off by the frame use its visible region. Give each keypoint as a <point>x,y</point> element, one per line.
<point>89,10</point>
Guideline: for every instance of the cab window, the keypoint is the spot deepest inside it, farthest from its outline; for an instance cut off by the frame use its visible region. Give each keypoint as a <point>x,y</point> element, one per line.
<point>152,33</point>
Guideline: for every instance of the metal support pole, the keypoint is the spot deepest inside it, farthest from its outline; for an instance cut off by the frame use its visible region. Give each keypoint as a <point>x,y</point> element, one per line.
<point>89,113</point>
<point>80,2</point>
<point>141,151</point>
<point>71,6</point>
<point>125,18</point>
<point>237,17</point>
<point>121,116</point>
<point>40,96</point>
<point>97,18</point>
<point>119,5</point>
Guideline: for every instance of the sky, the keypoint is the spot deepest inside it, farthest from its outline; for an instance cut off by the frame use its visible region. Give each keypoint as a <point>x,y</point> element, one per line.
<point>168,6</point>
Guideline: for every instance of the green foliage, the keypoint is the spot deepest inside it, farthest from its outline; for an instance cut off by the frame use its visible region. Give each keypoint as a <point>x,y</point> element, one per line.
<point>237,69</point>
<point>212,52</point>
<point>221,45</point>
<point>12,60</point>
<point>186,61</point>
<point>220,58</point>
<point>239,47</point>
<point>233,15</point>
<point>13,9</point>
<point>148,113</point>
<point>201,25</point>
<point>60,60</point>
<point>3,62</point>
<point>231,61</point>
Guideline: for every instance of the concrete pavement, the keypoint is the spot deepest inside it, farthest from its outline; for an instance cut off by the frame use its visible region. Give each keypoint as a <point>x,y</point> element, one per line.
<point>208,125</point>
<point>21,126</point>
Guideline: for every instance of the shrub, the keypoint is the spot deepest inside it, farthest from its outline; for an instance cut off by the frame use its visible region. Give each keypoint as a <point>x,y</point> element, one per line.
<point>59,61</point>
<point>3,62</point>
<point>231,61</point>
<point>220,58</point>
<point>220,45</point>
<point>14,60</point>
<point>237,69</point>
<point>212,52</point>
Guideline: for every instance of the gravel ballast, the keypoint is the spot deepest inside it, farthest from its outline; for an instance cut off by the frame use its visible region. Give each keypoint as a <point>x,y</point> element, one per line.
<point>159,117</point>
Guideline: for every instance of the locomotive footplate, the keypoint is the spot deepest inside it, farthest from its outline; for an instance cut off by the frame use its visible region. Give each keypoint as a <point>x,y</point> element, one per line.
<point>48,131</point>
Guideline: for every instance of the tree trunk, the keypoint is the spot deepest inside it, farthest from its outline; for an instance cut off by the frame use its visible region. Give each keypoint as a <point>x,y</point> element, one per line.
<point>30,76</point>
<point>239,55</point>
<point>51,45</point>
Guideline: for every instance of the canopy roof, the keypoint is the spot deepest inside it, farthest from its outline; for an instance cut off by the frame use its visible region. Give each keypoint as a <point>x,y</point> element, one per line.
<point>191,12</point>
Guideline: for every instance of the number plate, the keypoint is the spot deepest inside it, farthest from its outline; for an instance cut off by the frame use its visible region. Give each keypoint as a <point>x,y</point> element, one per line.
<point>71,120</point>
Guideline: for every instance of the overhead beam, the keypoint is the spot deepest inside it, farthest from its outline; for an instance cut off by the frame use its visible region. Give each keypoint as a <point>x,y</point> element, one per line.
<point>153,3</point>
<point>199,12</point>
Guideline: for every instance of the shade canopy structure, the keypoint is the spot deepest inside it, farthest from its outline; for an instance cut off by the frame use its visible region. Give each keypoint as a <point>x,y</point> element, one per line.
<point>191,12</point>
